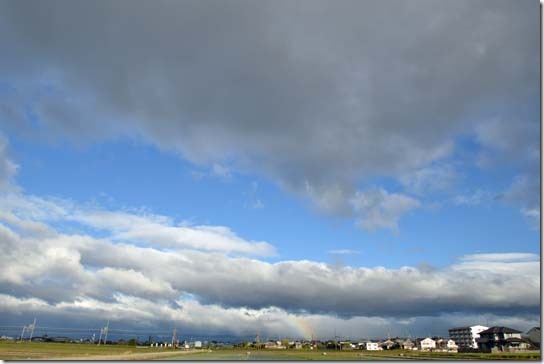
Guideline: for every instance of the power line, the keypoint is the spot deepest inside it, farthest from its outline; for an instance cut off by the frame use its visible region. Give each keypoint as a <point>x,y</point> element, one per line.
<point>33,328</point>
<point>87,329</point>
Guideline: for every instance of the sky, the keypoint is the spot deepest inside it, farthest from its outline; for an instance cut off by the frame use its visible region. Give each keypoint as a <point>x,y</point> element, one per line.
<point>364,168</point>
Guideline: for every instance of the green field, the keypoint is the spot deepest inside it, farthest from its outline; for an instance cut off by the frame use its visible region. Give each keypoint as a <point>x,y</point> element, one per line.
<point>40,351</point>
<point>10,350</point>
<point>293,354</point>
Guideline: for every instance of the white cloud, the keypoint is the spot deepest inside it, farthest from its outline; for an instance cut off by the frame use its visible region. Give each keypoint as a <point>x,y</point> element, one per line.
<point>8,169</point>
<point>343,251</point>
<point>254,201</point>
<point>60,267</point>
<point>478,197</point>
<point>220,171</point>
<point>533,215</point>
<point>258,204</point>
<point>429,179</point>
<point>501,257</point>
<point>143,228</point>
<point>379,209</point>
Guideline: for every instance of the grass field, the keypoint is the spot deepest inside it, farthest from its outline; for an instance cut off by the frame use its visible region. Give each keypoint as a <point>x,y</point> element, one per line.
<point>40,351</point>
<point>234,354</point>
<point>14,350</point>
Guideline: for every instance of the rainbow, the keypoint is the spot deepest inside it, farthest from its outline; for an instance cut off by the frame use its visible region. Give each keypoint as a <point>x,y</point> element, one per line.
<point>303,327</point>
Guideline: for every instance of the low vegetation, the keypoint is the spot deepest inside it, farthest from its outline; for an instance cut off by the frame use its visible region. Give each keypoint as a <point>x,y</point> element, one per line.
<point>10,350</point>
<point>40,351</point>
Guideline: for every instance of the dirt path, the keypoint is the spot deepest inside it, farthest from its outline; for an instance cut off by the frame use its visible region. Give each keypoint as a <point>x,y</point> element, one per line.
<point>131,356</point>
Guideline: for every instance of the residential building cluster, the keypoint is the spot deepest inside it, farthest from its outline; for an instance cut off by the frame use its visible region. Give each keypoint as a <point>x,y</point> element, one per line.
<point>476,338</point>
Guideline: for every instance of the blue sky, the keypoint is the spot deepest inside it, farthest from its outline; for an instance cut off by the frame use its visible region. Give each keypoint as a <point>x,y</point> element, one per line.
<point>436,235</point>
<point>232,161</point>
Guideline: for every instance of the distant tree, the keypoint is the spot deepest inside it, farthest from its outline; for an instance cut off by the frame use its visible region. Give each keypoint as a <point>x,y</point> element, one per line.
<point>131,342</point>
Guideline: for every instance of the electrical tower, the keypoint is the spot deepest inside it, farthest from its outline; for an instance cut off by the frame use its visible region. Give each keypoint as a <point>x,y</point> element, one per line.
<point>104,331</point>
<point>23,332</point>
<point>27,328</point>
<point>32,326</point>
<point>174,337</point>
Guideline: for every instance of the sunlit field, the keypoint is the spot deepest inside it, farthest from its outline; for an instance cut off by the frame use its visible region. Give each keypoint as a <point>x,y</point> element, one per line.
<point>294,354</point>
<point>41,351</point>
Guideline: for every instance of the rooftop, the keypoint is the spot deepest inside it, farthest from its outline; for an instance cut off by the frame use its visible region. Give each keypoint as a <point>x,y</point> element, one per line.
<point>500,330</point>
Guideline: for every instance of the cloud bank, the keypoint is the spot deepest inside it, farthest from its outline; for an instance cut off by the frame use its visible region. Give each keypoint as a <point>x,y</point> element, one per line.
<point>140,264</point>
<point>319,96</point>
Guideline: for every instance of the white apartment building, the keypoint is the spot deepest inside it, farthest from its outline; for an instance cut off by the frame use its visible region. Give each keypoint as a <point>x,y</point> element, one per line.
<point>465,337</point>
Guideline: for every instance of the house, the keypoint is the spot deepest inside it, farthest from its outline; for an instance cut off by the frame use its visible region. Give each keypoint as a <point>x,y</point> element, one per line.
<point>427,344</point>
<point>452,346</point>
<point>373,346</point>
<point>441,344</point>
<point>533,336</point>
<point>389,345</point>
<point>465,337</point>
<point>500,338</point>
<point>407,344</point>
<point>270,345</point>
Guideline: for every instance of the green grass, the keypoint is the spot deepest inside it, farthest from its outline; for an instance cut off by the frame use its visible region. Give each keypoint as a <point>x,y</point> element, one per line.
<point>36,351</point>
<point>293,354</point>
<point>10,350</point>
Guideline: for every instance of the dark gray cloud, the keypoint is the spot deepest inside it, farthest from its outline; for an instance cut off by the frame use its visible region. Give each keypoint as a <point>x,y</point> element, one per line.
<point>141,317</point>
<point>317,95</point>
